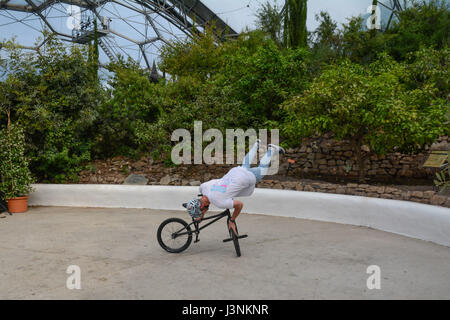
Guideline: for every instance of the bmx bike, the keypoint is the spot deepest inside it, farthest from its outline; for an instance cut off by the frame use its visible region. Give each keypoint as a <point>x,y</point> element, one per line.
<point>175,234</point>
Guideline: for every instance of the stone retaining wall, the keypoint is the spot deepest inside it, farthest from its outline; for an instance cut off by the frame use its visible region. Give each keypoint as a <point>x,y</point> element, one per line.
<point>115,171</point>
<point>317,157</point>
<point>328,157</point>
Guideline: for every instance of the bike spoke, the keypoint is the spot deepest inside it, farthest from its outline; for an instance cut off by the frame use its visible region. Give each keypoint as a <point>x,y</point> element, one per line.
<point>176,242</point>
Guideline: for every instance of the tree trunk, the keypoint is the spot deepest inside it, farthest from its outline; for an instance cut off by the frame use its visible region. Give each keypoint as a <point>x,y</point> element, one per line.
<point>357,144</point>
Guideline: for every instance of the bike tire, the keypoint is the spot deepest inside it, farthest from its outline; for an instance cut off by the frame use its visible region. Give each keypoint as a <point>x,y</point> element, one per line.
<point>170,226</point>
<point>236,242</point>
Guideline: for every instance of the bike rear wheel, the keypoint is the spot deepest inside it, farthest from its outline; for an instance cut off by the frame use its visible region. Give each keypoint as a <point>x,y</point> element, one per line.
<point>168,235</point>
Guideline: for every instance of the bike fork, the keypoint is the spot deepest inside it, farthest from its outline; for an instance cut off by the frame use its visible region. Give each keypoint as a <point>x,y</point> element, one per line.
<point>197,231</point>
<point>228,222</point>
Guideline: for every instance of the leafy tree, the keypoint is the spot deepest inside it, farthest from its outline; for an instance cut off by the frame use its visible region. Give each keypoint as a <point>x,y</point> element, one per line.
<point>211,105</point>
<point>264,78</point>
<point>133,98</point>
<point>367,106</point>
<point>10,96</point>
<point>197,57</point>
<point>326,34</point>
<point>270,20</point>
<point>429,67</point>
<point>359,45</point>
<point>56,107</point>
<point>421,24</point>
<point>326,42</point>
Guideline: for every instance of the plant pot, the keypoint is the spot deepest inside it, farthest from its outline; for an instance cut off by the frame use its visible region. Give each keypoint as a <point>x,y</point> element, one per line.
<point>18,205</point>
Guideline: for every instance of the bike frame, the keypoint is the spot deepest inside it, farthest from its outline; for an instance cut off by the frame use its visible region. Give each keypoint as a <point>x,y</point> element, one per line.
<point>216,217</point>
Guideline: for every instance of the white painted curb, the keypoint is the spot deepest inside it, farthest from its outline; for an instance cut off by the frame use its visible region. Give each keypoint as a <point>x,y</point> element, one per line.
<point>416,220</point>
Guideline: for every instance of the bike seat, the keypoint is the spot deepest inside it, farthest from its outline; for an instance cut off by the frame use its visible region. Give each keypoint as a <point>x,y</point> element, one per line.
<point>185,204</point>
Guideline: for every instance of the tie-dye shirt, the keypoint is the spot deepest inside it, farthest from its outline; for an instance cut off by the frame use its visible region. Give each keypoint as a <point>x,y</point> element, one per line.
<point>238,182</point>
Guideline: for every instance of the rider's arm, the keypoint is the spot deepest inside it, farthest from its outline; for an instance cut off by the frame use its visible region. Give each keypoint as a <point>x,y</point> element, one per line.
<point>202,213</point>
<point>237,205</point>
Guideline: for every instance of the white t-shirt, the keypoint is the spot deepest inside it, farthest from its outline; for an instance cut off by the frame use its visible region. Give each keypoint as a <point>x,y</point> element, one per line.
<point>238,182</point>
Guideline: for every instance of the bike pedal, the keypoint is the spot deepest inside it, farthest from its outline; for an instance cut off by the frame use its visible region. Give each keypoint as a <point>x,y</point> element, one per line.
<point>226,240</point>
<point>243,236</point>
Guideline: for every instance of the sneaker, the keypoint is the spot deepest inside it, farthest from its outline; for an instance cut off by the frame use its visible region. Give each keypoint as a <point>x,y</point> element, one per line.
<point>277,148</point>
<point>259,146</point>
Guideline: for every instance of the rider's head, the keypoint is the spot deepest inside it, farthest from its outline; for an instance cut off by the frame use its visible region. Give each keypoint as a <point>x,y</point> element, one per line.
<point>195,206</point>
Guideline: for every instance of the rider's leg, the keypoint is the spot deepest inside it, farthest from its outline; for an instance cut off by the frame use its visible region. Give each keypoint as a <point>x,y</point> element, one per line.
<point>259,173</point>
<point>251,155</point>
<point>264,164</point>
<point>237,205</point>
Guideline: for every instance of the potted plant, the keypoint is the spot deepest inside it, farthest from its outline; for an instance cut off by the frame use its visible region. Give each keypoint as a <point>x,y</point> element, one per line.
<point>15,175</point>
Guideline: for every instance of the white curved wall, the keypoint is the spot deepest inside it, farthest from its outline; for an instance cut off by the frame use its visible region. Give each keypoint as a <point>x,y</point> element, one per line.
<point>421,221</point>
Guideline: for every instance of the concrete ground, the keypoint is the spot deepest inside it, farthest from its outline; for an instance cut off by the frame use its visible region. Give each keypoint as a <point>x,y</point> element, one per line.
<point>283,258</point>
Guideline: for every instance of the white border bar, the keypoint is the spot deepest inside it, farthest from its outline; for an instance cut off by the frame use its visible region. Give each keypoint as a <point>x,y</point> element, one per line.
<point>416,220</point>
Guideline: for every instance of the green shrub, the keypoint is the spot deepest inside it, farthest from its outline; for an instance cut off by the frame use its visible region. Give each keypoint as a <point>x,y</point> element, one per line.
<point>15,175</point>
<point>422,24</point>
<point>368,106</point>
<point>55,100</point>
<point>264,77</point>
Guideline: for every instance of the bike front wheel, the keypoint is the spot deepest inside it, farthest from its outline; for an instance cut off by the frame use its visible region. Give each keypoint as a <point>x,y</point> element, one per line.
<point>236,242</point>
<point>174,235</point>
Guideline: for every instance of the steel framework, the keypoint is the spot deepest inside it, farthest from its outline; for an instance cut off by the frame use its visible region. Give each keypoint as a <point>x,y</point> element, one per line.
<point>123,26</point>
<point>394,8</point>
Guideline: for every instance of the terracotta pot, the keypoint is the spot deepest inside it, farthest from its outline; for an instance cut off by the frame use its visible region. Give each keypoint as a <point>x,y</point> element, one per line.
<point>18,205</point>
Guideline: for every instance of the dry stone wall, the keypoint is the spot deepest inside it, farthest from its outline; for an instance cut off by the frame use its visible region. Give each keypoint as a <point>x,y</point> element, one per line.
<point>327,157</point>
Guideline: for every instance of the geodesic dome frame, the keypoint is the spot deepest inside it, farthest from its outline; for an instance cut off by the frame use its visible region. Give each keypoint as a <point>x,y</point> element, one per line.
<point>131,28</point>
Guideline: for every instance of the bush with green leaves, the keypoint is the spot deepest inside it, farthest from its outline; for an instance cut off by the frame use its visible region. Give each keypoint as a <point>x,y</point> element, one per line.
<point>325,41</point>
<point>429,66</point>
<point>55,99</point>
<point>421,24</point>
<point>15,175</point>
<point>269,19</point>
<point>211,106</point>
<point>263,77</point>
<point>197,57</point>
<point>368,106</point>
<point>133,98</point>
